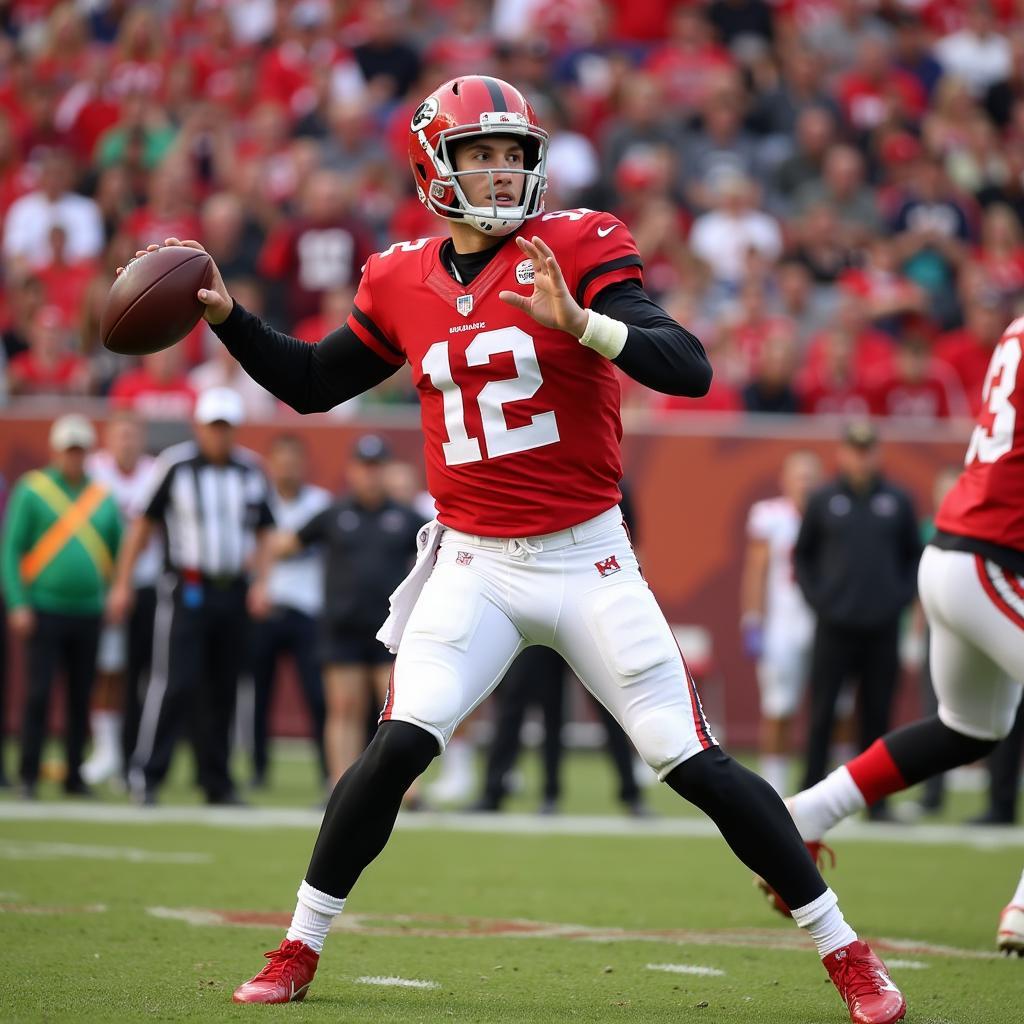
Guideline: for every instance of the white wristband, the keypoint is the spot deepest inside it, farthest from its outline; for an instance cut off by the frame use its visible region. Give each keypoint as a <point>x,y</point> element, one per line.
<point>604,334</point>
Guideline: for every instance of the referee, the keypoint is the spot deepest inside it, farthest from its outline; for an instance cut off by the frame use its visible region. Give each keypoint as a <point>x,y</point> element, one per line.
<point>211,498</point>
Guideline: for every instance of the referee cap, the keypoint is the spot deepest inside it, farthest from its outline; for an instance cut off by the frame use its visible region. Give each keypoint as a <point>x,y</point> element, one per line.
<point>220,405</point>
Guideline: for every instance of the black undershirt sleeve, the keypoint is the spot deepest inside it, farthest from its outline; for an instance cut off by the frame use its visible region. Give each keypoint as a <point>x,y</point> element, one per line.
<point>658,353</point>
<point>309,378</point>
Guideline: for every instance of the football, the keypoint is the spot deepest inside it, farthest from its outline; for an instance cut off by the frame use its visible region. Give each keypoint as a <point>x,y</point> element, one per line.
<point>152,304</point>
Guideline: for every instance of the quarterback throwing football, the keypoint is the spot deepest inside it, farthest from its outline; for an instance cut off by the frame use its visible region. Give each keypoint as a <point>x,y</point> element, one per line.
<point>511,326</point>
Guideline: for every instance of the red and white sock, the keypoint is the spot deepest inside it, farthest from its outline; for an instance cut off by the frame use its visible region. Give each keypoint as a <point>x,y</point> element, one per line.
<point>852,787</point>
<point>315,911</point>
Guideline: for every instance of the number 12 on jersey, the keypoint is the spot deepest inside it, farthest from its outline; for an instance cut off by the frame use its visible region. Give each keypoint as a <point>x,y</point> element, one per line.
<point>500,438</point>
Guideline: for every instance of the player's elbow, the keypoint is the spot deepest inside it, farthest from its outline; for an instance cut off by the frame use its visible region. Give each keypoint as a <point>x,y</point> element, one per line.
<point>702,380</point>
<point>693,382</point>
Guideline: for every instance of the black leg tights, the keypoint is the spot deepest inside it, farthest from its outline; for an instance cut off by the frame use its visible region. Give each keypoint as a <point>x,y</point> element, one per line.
<point>753,820</point>
<point>364,805</point>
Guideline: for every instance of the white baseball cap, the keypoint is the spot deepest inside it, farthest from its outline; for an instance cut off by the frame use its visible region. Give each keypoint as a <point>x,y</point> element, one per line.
<point>72,431</point>
<point>220,405</point>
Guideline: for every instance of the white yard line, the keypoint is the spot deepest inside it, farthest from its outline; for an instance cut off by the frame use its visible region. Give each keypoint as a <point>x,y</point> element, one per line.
<point>29,850</point>
<point>974,836</point>
<point>374,979</point>
<point>709,972</point>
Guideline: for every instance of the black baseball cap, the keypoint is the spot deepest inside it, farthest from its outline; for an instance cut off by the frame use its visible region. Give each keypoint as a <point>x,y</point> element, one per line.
<point>860,434</point>
<point>371,448</point>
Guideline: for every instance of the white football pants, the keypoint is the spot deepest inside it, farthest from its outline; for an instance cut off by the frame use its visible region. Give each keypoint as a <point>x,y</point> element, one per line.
<point>975,612</point>
<point>578,591</point>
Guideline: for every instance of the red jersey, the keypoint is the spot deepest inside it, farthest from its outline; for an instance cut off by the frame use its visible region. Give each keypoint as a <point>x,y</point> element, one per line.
<point>987,501</point>
<point>520,422</point>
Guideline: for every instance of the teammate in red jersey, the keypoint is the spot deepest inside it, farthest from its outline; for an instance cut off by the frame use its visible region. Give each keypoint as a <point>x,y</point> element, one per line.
<point>971,583</point>
<point>510,334</point>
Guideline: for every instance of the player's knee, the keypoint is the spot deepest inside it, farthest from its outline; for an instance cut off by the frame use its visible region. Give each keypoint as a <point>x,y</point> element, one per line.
<point>711,778</point>
<point>663,737</point>
<point>434,698</point>
<point>401,749</point>
<point>970,739</point>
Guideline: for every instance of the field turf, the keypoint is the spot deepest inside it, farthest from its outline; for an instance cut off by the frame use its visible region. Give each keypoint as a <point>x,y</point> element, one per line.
<point>149,918</point>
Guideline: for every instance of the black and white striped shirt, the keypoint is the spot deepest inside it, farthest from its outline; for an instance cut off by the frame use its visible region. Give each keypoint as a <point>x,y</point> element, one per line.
<point>210,512</point>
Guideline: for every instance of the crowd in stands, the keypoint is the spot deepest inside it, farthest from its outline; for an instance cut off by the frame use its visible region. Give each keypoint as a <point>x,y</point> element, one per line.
<point>829,193</point>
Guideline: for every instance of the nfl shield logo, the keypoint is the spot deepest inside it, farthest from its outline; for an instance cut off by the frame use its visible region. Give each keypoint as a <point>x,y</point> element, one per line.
<point>464,304</point>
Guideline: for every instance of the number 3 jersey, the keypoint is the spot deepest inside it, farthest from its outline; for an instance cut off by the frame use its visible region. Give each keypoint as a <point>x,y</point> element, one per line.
<point>520,422</point>
<point>987,501</point>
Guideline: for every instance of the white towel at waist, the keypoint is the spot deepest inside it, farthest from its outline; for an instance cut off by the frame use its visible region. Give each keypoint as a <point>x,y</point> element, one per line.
<point>408,591</point>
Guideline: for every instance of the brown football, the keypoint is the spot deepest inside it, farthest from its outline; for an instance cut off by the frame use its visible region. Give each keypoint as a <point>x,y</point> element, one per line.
<point>153,304</point>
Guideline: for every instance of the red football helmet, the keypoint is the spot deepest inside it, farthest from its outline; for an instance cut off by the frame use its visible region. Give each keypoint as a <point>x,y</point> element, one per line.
<point>464,107</point>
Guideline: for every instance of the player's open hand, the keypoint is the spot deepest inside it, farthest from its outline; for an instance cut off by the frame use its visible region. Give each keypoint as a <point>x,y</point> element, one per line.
<point>215,298</point>
<point>551,304</point>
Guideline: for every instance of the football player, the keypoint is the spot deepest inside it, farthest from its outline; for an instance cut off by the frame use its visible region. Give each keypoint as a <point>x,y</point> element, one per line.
<point>511,325</point>
<point>776,622</point>
<point>971,585</point>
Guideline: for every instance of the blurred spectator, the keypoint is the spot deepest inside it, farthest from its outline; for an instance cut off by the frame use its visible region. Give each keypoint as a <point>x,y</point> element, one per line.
<point>932,228</point>
<point>946,128</point>
<point>141,137</point>
<point>876,91</point>
<point>686,61</point>
<point>724,237</point>
<point>918,386</point>
<point>157,389</point>
<point>822,246</point>
<point>31,217</point>
<point>229,235</point>
<point>641,122</point>
<point>49,366</point>
<point>843,188</point>
<point>720,145</point>
<point>814,136</point>
<point>835,30</point>
<point>466,47</point>
<point>886,294</point>
<point>139,64</point>
<point>16,176</point>
<point>978,53</point>
<point>66,281</point>
<point>1008,186</point>
<point>968,349</point>
<point>771,388</point>
<point>834,384</point>
<point>335,307</point>
<point>324,248</point>
<point>389,63</point>
<point>170,211</point>
<point>805,306</point>
<point>25,297</point>
<point>738,22</point>
<point>1008,91</point>
<point>352,148</point>
<point>786,92</point>
<point>573,164</point>
<point>1001,252</point>
<point>54,579</point>
<point>912,50</point>
<point>221,370</point>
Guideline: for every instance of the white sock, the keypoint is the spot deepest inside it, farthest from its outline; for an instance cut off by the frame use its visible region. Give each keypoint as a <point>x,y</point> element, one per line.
<point>775,771</point>
<point>1018,896</point>
<point>817,809</point>
<point>825,923</point>
<point>106,732</point>
<point>313,915</point>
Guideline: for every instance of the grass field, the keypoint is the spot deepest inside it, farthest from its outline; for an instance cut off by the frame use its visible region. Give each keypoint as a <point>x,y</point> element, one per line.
<point>158,915</point>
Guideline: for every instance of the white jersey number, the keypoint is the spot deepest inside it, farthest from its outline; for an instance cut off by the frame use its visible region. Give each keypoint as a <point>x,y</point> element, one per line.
<point>500,438</point>
<point>988,445</point>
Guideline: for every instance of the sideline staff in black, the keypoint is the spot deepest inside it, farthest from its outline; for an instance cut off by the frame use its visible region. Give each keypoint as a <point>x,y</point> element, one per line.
<point>370,542</point>
<point>211,497</point>
<point>856,562</point>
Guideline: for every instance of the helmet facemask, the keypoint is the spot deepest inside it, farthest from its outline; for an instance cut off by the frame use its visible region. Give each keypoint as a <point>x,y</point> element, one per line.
<point>448,199</point>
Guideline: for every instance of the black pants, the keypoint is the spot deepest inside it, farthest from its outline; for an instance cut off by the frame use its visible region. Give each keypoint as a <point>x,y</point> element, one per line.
<point>137,667</point>
<point>1004,769</point>
<point>287,631</point>
<point>199,645</point>
<point>869,657</point>
<point>58,642</point>
<point>537,677</point>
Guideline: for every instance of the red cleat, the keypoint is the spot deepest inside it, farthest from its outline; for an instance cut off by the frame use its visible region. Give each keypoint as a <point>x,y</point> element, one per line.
<point>819,853</point>
<point>285,979</point>
<point>864,983</point>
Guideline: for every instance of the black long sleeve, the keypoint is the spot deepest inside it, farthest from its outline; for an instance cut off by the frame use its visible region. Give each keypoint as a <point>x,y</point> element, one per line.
<point>309,378</point>
<point>659,353</point>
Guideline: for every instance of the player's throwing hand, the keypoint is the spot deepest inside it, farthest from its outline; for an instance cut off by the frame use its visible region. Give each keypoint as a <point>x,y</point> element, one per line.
<point>215,298</point>
<point>551,304</point>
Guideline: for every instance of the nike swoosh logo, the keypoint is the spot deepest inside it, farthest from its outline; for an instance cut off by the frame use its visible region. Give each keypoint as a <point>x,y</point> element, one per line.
<point>887,985</point>
<point>605,232</point>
